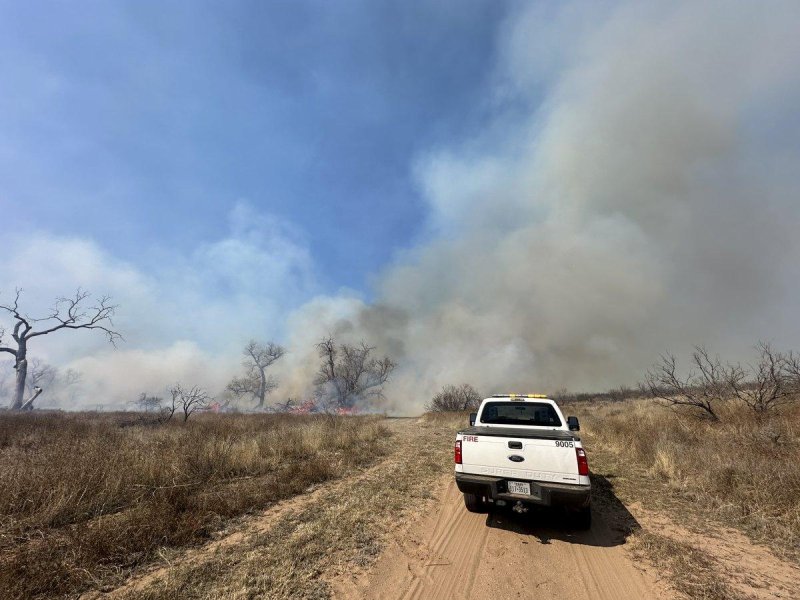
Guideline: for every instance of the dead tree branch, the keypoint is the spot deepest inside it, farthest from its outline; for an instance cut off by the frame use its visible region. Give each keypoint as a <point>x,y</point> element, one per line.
<point>771,382</point>
<point>188,399</point>
<point>774,380</point>
<point>348,374</point>
<point>702,389</point>
<point>73,313</point>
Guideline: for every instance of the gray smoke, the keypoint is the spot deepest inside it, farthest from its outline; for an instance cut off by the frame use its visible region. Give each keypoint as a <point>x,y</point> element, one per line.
<point>637,191</point>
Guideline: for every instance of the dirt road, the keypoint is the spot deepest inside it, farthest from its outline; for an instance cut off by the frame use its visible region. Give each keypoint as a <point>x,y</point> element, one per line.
<point>456,554</point>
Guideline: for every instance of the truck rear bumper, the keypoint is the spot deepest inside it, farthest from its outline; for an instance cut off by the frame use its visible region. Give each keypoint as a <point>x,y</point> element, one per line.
<point>542,493</point>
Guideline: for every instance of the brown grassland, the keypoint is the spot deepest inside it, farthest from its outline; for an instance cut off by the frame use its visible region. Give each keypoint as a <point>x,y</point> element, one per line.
<point>86,498</point>
<point>337,530</point>
<point>741,473</point>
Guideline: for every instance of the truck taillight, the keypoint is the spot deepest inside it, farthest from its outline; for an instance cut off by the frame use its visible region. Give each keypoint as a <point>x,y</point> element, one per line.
<point>583,464</point>
<point>458,452</point>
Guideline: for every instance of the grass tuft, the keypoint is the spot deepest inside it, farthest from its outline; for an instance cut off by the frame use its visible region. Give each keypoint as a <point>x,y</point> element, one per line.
<point>742,471</point>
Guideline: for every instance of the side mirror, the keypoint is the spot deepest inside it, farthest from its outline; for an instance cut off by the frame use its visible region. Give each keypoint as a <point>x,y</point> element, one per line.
<point>472,418</point>
<point>572,423</point>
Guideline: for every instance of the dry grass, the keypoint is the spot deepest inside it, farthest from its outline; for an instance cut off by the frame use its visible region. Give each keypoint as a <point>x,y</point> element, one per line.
<point>690,570</point>
<point>741,472</point>
<point>342,530</point>
<point>85,498</point>
<point>453,419</point>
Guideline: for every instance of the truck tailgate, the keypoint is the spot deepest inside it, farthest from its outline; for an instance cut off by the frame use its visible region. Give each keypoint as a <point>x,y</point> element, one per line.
<point>546,458</point>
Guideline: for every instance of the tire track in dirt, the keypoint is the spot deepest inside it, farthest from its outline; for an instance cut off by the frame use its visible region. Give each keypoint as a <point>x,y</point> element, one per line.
<point>446,550</point>
<point>459,555</point>
<point>748,569</point>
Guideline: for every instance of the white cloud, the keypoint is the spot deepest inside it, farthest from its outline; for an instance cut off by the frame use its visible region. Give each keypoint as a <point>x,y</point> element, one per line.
<point>185,319</point>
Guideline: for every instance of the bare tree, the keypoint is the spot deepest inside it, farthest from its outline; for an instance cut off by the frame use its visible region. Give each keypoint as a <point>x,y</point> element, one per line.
<point>706,385</point>
<point>621,393</point>
<point>256,383</point>
<point>348,374</point>
<point>188,399</point>
<point>562,394</point>
<point>771,382</point>
<point>455,398</point>
<point>167,411</point>
<point>67,313</point>
<point>72,377</point>
<point>792,368</point>
<point>774,380</point>
<point>149,403</point>
<point>61,387</point>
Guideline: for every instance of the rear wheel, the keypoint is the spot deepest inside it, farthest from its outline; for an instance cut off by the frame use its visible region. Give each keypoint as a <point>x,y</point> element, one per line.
<point>583,518</point>
<point>474,503</point>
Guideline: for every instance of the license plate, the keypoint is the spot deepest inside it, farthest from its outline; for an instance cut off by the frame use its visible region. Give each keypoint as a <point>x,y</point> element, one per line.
<point>519,487</point>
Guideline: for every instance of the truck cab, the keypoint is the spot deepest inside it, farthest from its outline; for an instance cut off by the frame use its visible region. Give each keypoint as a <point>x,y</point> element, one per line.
<point>520,451</point>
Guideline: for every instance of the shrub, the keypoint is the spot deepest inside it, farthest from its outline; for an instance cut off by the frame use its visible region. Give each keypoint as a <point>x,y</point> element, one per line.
<point>773,381</point>
<point>455,398</point>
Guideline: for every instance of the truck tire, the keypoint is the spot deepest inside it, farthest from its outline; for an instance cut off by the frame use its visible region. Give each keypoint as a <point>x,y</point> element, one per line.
<point>474,503</point>
<point>583,518</point>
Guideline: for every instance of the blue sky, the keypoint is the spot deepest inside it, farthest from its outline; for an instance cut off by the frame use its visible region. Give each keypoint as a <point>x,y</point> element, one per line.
<point>140,125</point>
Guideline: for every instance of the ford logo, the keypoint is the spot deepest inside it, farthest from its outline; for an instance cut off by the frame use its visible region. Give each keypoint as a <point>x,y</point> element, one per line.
<point>516,458</point>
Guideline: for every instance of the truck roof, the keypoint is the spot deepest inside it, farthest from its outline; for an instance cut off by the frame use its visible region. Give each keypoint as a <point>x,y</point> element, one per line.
<point>541,396</point>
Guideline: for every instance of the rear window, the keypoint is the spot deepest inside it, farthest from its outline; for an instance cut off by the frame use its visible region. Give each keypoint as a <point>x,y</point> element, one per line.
<point>520,413</point>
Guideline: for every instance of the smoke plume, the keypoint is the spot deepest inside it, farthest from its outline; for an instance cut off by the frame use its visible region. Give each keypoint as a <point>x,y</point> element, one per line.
<point>636,191</point>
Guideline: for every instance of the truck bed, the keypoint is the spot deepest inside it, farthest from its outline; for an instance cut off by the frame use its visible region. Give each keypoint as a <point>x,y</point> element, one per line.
<point>527,434</point>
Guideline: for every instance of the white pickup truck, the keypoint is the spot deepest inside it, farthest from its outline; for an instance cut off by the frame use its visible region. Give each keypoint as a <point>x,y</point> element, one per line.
<point>519,450</point>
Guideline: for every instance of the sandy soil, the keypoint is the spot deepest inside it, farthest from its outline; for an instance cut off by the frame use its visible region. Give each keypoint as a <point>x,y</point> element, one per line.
<point>456,554</point>
<point>749,569</point>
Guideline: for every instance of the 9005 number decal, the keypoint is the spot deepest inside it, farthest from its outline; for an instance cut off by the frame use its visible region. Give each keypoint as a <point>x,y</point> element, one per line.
<point>565,444</point>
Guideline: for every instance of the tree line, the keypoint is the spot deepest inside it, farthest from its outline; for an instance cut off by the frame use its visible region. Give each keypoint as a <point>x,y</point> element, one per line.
<point>348,374</point>
<point>351,374</point>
